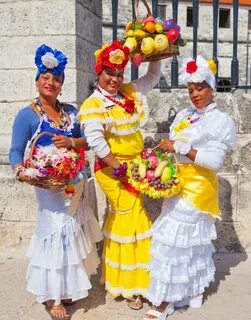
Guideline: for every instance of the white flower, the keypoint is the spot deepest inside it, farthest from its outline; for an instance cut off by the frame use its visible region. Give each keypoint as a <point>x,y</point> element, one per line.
<point>49,61</point>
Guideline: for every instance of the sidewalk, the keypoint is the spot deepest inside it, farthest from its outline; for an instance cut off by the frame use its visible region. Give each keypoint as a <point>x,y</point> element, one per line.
<point>229,297</point>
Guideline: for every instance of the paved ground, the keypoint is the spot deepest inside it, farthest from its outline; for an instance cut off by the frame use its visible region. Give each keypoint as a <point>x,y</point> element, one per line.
<point>229,297</point>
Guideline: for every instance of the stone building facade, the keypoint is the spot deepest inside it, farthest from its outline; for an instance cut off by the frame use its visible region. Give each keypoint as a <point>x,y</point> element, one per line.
<point>77,30</point>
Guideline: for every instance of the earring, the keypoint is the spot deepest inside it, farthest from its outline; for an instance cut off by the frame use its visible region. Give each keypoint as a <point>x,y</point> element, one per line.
<point>60,93</point>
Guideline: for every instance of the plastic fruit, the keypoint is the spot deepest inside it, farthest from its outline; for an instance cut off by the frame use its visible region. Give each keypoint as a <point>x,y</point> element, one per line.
<point>172,35</point>
<point>149,18</point>
<point>158,171</point>
<point>140,34</point>
<point>160,42</point>
<point>149,174</point>
<point>169,24</point>
<point>159,28</point>
<point>137,59</point>
<point>147,45</point>
<point>150,27</point>
<point>142,170</point>
<point>130,33</point>
<point>166,175</point>
<point>153,162</point>
<point>131,43</point>
<point>128,26</point>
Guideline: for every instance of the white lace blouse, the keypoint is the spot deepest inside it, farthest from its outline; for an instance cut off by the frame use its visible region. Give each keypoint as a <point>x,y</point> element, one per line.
<point>212,135</point>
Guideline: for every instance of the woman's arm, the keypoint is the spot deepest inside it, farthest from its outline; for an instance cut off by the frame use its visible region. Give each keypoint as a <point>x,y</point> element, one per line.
<point>150,79</point>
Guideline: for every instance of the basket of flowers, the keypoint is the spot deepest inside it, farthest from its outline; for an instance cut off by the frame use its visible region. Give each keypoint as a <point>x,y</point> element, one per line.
<point>53,168</point>
<point>150,38</point>
<point>155,174</point>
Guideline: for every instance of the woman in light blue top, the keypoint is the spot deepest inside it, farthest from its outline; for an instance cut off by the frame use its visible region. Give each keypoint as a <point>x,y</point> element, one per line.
<point>65,232</point>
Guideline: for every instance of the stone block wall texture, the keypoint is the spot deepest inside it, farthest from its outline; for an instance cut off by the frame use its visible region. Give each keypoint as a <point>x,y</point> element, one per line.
<point>72,26</point>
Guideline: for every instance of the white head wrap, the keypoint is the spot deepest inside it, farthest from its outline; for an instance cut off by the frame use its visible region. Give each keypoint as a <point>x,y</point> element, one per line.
<point>197,71</point>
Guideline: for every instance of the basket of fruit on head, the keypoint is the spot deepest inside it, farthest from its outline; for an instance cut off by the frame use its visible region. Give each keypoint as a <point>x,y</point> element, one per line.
<point>154,174</point>
<point>150,38</point>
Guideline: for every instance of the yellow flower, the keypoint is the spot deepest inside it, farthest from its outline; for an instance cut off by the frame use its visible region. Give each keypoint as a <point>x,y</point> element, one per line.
<point>181,125</point>
<point>116,56</point>
<point>212,66</point>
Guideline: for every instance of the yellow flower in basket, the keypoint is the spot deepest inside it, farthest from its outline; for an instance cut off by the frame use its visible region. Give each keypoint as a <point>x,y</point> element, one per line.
<point>154,174</point>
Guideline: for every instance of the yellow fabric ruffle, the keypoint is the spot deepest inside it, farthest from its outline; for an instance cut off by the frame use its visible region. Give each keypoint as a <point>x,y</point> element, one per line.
<point>200,188</point>
<point>126,253</point>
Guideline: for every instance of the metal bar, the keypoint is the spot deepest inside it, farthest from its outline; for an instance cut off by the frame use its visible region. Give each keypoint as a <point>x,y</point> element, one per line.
<point>235,62</point>
<point>114,19</point>
<point>155,8</point>
<point>195,26</point>
<point>174,63</point>
<point>247,58</point>
<point>134,69</point>
<point>215,35</point>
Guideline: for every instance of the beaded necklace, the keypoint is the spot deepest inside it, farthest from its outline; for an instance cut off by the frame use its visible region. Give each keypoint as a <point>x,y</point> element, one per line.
<point>128,105</point>
<point>189,120</point>
<point>63,123</point>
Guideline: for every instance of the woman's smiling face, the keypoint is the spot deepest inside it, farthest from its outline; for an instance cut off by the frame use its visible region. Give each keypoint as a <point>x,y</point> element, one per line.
<point>49,85</point>
<point>201,94</point>
<point>111,79</point>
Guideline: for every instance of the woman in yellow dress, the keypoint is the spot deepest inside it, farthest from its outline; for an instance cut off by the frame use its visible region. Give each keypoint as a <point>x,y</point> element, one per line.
<point>112,117</point>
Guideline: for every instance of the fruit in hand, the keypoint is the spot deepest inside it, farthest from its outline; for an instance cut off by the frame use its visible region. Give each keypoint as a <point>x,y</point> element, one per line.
<point>160,42</point>
<point>158,171</point>
<point>139,34</point>
<point>149,18</point>
<point>137,59</point>
<point>166,175</point>
<point>172,35</point>
<point>147,45</point>
<point>159,28</point>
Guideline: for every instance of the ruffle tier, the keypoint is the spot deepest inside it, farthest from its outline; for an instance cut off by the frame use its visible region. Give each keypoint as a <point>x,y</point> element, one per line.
<point>60,264</point>
<point>182,264</point>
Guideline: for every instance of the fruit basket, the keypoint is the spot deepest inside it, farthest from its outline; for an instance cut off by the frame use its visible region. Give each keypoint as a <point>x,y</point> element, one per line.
<point>150,38</point>
<point>154,174</point>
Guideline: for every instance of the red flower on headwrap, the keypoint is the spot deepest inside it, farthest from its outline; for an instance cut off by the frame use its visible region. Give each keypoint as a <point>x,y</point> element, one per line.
<point>114,56</point>
<point>191,67</point>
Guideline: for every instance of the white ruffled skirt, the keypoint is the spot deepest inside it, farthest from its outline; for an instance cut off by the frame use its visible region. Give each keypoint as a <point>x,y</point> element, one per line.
<point>182,264</point>
<point>63,248</point>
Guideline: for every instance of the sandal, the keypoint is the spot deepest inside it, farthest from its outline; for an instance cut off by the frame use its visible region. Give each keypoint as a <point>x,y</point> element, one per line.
<point>160,315</point>
<point>57,311</point>
<point>135,303</point>
<point>68,302</point>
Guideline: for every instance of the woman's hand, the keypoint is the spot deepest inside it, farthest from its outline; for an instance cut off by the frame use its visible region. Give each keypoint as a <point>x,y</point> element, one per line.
<point>166,145</point>
<point>62,141</point>
<point>24,178</point>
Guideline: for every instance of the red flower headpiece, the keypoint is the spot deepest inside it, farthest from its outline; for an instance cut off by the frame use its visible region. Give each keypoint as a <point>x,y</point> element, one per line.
<point>191,67</point>
<point>114,56</point>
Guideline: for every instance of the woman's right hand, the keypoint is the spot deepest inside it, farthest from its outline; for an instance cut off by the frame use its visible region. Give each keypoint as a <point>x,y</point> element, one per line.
<point>24,178</point>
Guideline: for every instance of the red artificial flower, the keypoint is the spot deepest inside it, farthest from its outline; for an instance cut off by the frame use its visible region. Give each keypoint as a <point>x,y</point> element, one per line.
<point>191,67</point>
<point>129,106</point>
<point>104,57</point>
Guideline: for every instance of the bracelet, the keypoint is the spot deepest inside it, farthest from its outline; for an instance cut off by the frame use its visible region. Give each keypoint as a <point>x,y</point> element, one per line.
<point>73,143</point>
<point>182,147</point>
<point>120,172</point>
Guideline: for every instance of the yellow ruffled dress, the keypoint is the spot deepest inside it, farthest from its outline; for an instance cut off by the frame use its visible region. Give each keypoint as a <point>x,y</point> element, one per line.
<point>126,252</point>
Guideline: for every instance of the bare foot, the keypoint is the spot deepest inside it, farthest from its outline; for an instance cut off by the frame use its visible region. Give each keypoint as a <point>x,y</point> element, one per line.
<point>160,309</point>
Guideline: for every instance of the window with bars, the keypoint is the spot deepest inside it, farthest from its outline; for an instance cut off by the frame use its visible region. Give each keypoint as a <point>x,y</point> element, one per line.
<point>249,19</point>
<point>162,11</point>
<point>189,16</point>
<point>224,18</point>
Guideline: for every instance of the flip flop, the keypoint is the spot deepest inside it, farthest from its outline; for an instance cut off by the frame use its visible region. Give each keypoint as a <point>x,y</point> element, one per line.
<point>135,303</point>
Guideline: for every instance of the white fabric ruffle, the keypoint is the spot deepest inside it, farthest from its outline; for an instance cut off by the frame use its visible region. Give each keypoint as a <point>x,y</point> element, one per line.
<point>61,262</point>
<point>182,264</point>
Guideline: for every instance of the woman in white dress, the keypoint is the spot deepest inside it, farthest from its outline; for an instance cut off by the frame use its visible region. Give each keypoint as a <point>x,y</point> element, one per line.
<point>182,265</point>
<point>62,250</point>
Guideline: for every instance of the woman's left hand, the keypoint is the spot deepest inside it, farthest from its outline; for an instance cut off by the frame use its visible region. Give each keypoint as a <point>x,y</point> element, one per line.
<point>62,141</point>
<point>166,145</point>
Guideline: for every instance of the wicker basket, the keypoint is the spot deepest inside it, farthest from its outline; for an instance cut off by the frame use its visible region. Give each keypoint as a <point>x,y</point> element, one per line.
<point>171,50</point>
<point>50,182</point>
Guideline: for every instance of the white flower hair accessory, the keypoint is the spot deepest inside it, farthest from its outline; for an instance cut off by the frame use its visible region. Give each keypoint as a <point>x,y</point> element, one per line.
<point>198,71</point>
<point>49,61</point>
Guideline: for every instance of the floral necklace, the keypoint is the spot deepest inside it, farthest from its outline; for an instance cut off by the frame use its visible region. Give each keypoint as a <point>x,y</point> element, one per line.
<point>188,121</point>
<point>63,123</point>
<point>128,105</point>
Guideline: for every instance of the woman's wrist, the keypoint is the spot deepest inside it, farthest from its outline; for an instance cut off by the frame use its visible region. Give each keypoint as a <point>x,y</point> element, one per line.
<point>17,170</point>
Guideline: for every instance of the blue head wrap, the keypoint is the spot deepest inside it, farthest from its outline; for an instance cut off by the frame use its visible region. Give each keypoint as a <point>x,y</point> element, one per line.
<point>49,60</point>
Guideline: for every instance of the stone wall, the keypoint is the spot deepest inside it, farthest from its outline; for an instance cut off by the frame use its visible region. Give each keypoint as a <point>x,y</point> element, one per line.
<point>72,26</point>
